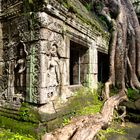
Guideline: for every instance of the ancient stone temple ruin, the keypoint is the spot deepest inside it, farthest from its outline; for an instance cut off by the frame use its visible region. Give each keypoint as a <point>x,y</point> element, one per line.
<point>47,50</point>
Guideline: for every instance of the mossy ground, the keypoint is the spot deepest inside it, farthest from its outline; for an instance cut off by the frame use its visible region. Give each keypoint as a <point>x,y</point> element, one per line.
<point>8,135</point>
<point>129,131</point>
<point>26,121</point>
<point>18,127</point>
<point>84,102</point>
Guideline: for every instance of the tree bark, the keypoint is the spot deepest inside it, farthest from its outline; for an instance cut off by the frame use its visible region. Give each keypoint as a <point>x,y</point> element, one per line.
<point>127,46</point>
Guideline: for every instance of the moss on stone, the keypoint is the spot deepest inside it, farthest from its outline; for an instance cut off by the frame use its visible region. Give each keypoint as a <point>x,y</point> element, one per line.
<point>32,5</point>
<point>28,113</point>
<point>86,16</point>
<point>18,126</point>
<point>134,117</point>
<point>6,134</point>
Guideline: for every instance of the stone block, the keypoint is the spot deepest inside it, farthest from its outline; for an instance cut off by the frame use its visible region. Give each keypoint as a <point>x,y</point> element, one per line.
<point>93,68</point>
<point>44,47</point>
<point>1,53</point>
<point>50,38</point>
<point>64,70</point>
<point>67,46</point>
<point>47,94</point>
<point>63,50</point>
<point>46,34</point>
<point>44,79</point>
<point>47,21</point>
<point>43,95</point>
<point>44,63</point>
<point>47,108</point>
<point>93,80</point>
<point>65,93</point>
<point>137,104</point>
<point>1,68</point>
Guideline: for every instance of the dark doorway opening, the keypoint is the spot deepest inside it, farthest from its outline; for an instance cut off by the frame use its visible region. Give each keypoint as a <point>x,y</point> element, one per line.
<point>78,63</point>
<point>103,67</point>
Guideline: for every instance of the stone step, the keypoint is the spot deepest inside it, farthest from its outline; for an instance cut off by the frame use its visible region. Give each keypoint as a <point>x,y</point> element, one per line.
<point>11,113</point>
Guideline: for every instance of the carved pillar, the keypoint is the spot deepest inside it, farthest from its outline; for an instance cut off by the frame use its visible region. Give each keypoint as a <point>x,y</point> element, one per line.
<point>93,65</point>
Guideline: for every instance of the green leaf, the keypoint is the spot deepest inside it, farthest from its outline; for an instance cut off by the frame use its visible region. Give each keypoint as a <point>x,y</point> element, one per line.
<point>30,1</point>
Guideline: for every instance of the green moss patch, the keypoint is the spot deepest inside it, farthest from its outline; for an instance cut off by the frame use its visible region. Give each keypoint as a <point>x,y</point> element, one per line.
<point>8,135</point>
<point>28,113</point>
<point>24,128</point>
<point>84,102</point>
<point>76,7</point>
<point>114,129</point>
<point>133,94</point>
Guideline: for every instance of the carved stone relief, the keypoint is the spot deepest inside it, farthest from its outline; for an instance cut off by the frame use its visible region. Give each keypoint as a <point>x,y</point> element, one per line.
<point>54,64</point>
<point>8,3</point>
<point>13,89</point>
<point>53,37</point>
<point>49,22</point>
<point>32,73</point>
<point>50,73</point>
<point>53,72</point>
<point>20,69</point>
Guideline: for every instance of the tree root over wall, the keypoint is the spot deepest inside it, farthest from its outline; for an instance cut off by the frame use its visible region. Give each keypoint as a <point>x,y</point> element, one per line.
<point>86,127</point>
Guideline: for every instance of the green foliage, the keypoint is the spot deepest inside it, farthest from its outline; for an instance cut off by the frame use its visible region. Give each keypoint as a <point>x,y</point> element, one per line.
<point>84,102</point>
<point>8,135</point>
<point>66,120</point>
<point>105,22</point>
<point>103,133</point>
<point>88,6</point>
<point>30,1</point>
<point>32,5</point>
<point>18,126</point>
<point>114,91</point>
<point>133,94</point>
<point>98,6</point>
<point>92,109</point>
<point>63,1</point>
<point>27,113</point>
<point>100,88</point>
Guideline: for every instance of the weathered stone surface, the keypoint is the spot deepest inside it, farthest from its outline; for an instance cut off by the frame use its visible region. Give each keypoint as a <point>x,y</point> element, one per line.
<point>47,21</point>
<point>130,105</point>
<point>137,104</point>
<point>64,69</point>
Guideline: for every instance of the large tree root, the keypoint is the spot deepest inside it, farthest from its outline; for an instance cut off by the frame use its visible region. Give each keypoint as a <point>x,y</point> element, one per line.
<point>86,127</point>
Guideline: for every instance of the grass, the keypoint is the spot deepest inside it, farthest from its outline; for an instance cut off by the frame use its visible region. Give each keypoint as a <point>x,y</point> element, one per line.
<point>133,94</point>
<point>20,127</point>
<point>8,135</point>
<point>102,135</point>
